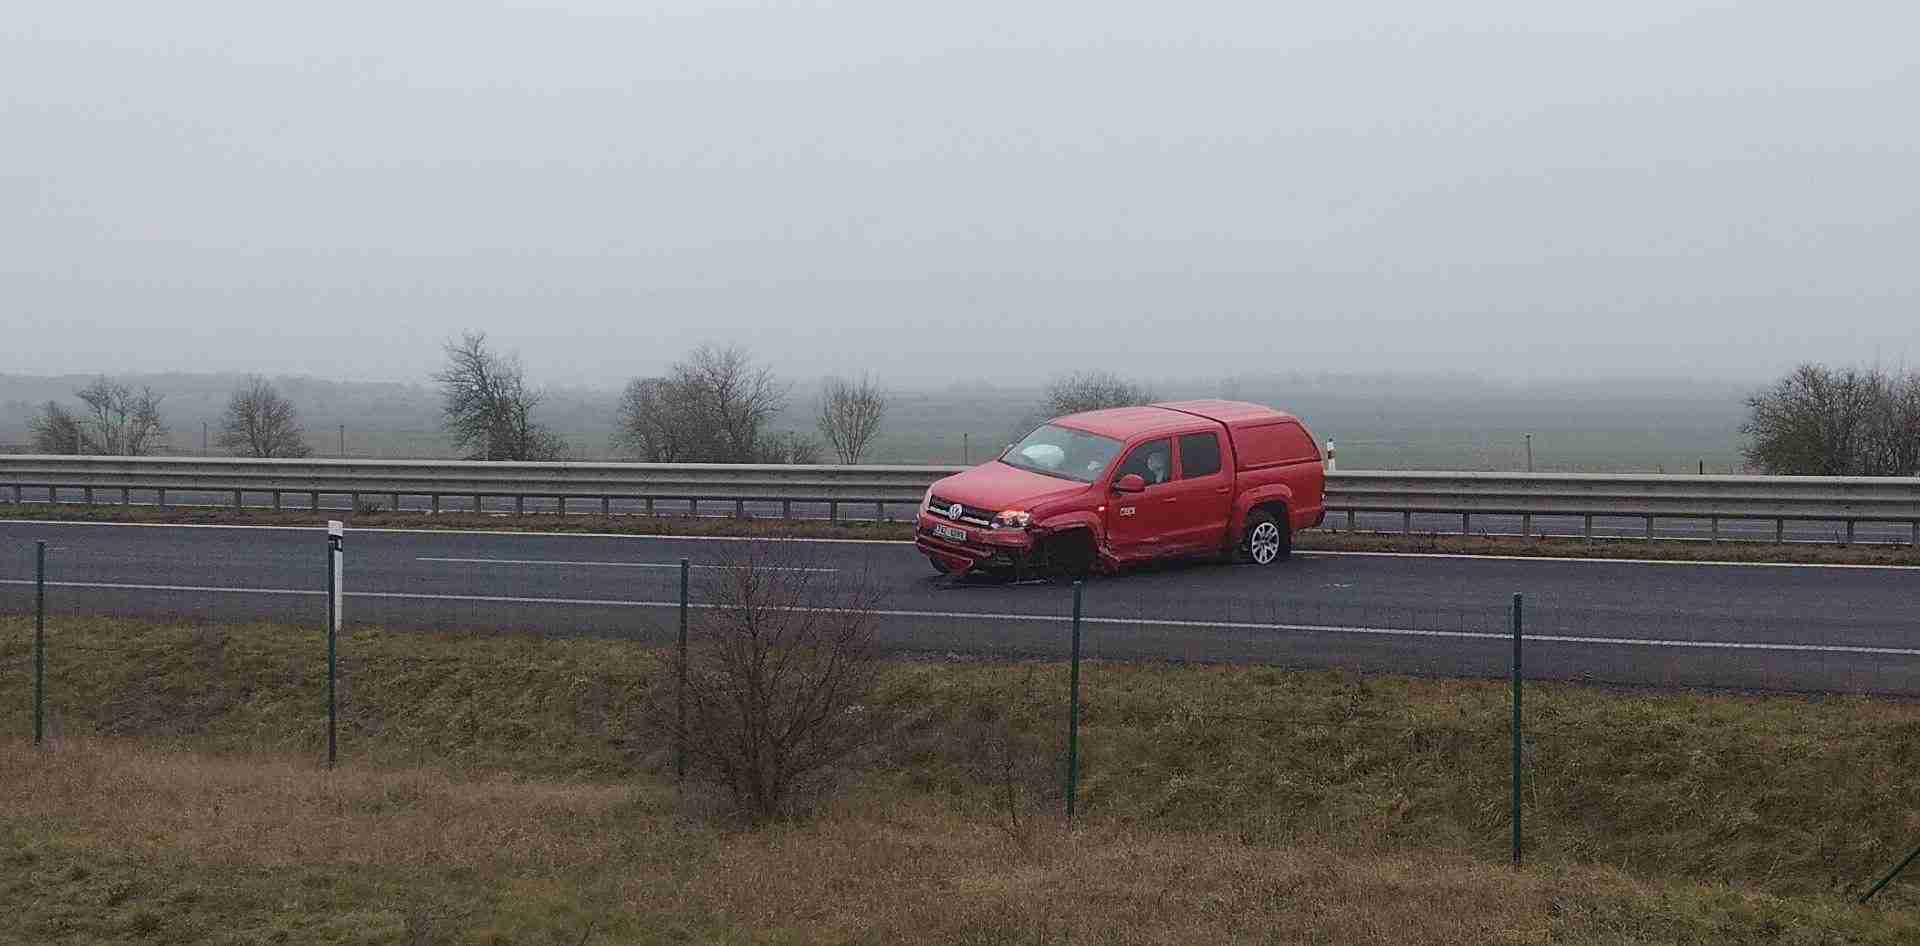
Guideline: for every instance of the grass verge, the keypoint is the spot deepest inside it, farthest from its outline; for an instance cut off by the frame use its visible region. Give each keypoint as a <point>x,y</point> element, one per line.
<point>501,788</point>
<point>1313,540</point>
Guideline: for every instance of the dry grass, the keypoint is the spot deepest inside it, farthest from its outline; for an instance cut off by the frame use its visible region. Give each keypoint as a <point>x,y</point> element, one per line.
<point>112,842</point>
<point>498,784</point>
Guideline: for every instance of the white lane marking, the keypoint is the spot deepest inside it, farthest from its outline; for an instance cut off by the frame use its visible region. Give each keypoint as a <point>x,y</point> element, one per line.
<point>548,535</point>
<point>1311,553</point>
<point>1329,553</point>
<point>1043,618</point>
<point>535,561</point>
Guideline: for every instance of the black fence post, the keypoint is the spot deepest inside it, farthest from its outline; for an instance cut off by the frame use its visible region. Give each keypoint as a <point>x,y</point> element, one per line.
<point>1895,872</point>
<point>1073,711</point>
<point>680,731</point>
<point>1516,730</point>
<point>39,642</point>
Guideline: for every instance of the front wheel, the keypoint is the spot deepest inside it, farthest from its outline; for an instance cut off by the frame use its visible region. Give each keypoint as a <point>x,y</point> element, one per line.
<point>1267,540</point>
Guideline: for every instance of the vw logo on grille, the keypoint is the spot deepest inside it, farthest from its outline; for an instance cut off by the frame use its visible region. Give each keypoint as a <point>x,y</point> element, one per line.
<point>955,511</point>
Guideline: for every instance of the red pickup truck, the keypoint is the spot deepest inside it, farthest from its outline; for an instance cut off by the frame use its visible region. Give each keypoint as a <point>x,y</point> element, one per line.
<point>1102,489</point>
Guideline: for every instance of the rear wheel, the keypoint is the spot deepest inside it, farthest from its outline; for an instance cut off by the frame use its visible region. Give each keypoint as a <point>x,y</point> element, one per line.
<point>1267,539</point>
<point>939,565</point>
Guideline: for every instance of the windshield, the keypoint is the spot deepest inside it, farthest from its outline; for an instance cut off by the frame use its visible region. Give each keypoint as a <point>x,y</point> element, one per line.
<point>1060,451</point>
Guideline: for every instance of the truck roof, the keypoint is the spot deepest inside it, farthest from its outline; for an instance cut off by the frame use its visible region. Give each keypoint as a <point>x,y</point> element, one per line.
<point>1125,422</point>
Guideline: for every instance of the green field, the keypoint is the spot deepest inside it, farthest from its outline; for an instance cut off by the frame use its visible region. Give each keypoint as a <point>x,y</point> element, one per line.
<point>1377,422</point>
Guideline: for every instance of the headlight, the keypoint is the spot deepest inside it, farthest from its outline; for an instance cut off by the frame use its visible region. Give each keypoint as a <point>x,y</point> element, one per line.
<point>1012,519</point>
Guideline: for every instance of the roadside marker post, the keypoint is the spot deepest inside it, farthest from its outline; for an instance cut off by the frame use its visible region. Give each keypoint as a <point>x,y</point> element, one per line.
<point>336,555</point>
<point>680,731</point>
<point>39,642</point>
<point>1516,730</point>
<point>1073,710</point>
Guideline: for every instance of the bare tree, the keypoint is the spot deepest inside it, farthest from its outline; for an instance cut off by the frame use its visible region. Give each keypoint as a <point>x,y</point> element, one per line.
<point>850,414</point>
<point>115,421</point>
<point>488,406</point>
<point>1890,445</point>
<point>712,407</point>
<point>261,423</point>
<point>1813,422</point>
<point>1092,391</point>
<point>782,679</point>
<point>56,431</point>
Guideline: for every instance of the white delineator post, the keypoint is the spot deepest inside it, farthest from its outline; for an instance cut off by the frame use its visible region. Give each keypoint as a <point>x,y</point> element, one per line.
<point>336,535</point>
<point>1332,465</point>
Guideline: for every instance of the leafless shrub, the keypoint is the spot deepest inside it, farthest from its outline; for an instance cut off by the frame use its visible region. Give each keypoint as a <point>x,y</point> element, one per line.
<point>488,406</point>
<point>1092,391</point>
<point>712,407</point>
<point>116,421</point>
<point>788,447</point>
<point>782,681</point>
<point>261,423</point>
<point>57,431</point>
<point>850,415</point>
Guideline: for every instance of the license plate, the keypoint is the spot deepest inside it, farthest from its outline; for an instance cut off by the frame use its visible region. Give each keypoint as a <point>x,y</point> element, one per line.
<point>948,532</point>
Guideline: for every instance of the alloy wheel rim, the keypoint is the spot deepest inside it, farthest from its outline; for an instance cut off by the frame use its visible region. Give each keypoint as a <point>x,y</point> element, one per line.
<point>1266,542</point>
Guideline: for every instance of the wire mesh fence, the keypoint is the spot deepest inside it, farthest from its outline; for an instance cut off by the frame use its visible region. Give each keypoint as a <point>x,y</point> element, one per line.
<point>1272,717</point>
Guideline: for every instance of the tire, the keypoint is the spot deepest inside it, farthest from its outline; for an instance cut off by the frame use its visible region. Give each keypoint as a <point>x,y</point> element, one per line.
<point>1069,557</point>
<point>1267,540</point>
<point>938,565</point>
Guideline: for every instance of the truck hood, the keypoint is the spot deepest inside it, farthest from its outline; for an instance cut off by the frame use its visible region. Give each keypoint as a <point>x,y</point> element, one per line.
<point>998,487</point>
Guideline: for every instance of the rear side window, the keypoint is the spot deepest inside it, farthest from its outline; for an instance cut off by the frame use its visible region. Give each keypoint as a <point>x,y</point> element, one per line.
<point>1284,442</point>
<point>1199,455</point>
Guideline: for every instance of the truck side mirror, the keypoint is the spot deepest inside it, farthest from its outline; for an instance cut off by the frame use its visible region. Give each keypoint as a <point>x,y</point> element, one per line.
<point>1130,483</point>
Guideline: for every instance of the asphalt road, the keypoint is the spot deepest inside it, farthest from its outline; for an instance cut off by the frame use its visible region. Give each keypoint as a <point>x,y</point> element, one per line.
<point>1423,523</point>
<point>1852,629</point>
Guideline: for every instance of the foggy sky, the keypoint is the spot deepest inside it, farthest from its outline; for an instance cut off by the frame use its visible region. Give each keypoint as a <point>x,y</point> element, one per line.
<point>940,191</point>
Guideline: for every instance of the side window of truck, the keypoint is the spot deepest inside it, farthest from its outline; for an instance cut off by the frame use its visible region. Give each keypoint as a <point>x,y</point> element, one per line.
<point>1199,455</point>
<point>1152,460</point>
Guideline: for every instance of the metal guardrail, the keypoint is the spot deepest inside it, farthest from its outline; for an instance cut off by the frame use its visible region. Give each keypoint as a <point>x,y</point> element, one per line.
<point>1781,499</point>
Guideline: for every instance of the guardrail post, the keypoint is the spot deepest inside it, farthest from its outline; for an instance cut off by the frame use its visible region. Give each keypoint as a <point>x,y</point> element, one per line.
<point>786,509</point>
<point>1779,531</point>
<point>739,509</point>
<point>606,507</point>
<point>396,502</point>
<point>1516,730</point>
<point>313,501</point>
<point>126,496</point>
<point>1466,523</point>
<point>1353,521</point>
<point>649,505</point>
<point>39,642</point>
<point>1073,711</point>
<point>89,495</point>
<point>519,505</point>
<point>1716,527</point>
<point>879,512</point>
<point>1587,529</point>
<point>236,499</point>
<point>1526,525</point>
<point>16,495</point>
<point>1913,537</point>
<point>833,512</point>
<point>693,508</point>
<point>434,502</point>
<point>1406,523</point>
<point>276,500</point>
<point>562,503</point>
<point>478,507</point>
<point>1649,528</point>
<point>1849,531</point>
